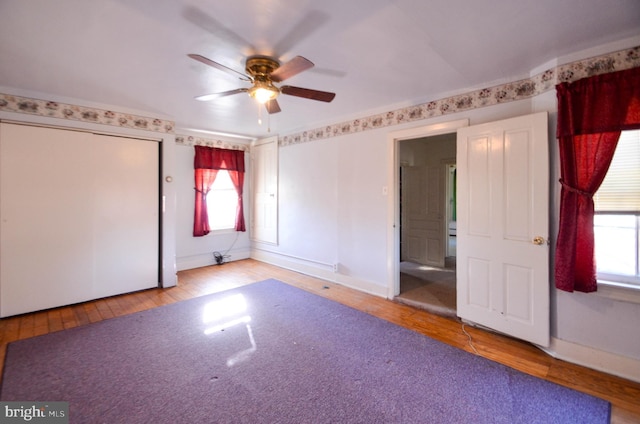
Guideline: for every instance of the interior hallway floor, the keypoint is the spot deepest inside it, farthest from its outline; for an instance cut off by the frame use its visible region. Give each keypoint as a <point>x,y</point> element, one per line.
<point>429,288</point>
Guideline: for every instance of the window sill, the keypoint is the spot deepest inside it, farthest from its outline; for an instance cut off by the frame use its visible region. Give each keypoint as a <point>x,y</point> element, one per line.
<point>619,291</point>
<point>223,231</point>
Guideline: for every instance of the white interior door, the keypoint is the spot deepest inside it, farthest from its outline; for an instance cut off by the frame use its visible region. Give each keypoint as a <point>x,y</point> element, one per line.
<point>264,171</point>
<point>503,255</point>
<point>423,204</point>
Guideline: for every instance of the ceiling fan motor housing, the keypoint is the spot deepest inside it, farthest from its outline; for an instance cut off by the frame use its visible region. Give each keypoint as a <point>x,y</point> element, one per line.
<point>261,66</point>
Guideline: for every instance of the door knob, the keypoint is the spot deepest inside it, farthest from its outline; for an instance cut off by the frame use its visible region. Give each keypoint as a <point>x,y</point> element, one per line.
<point>538,240</point>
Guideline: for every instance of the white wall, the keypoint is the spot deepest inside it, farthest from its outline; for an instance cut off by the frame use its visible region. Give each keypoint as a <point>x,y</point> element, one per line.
<point>194,252</point>
<point>308,200</point>
<point>334,211</point>
<point>362,209</point>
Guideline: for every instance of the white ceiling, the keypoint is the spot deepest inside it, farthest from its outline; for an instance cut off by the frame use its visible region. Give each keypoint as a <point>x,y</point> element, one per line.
<point>376,55</point>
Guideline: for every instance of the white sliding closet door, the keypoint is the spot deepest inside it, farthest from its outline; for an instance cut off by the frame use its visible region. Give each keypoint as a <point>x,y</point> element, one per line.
<point>78,217</point>
<point>125,223</point>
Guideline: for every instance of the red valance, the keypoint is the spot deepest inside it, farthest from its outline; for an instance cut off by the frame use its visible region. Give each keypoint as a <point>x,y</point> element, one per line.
<point>599,104</point>
<point>214,158</point>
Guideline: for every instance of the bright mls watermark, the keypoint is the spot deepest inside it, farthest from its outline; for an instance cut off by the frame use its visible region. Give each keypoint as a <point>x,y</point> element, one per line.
<point>34,412</point>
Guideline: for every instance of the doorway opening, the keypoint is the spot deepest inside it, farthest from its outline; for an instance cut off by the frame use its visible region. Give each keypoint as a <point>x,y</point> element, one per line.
<point>427,212</point>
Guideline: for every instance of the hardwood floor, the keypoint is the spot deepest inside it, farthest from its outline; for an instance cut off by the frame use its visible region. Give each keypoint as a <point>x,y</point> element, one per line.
<point>623,394</point>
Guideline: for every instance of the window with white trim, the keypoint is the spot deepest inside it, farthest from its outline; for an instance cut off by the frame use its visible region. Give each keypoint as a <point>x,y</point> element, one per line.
<point>222,203</point>
<point>617,215</point>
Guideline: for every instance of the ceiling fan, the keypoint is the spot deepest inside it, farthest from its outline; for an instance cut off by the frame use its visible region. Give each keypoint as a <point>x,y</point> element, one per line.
<point>262,72</point>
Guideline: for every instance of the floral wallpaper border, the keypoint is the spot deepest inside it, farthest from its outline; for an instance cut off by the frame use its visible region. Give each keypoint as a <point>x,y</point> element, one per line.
<point>52,109</point>
<point>189,140</point>
<point>518,90</point>
<point>512,91</point>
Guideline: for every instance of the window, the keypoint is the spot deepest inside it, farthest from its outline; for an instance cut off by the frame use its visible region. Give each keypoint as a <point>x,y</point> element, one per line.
<point>617,217</point>
<point>207,163</point>
<point>222,203</point>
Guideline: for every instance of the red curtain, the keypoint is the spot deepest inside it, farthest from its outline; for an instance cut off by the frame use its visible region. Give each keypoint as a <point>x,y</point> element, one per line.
<point>237,178</point>
<point>204,180</point>
<point>207,162</point>
<point>591,114</point>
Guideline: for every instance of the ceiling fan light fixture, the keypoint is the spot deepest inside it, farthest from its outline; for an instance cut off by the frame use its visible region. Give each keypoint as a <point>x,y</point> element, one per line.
<point>263,92</point>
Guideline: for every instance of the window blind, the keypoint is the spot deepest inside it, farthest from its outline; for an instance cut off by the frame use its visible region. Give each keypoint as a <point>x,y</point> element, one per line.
<point>620,190</point>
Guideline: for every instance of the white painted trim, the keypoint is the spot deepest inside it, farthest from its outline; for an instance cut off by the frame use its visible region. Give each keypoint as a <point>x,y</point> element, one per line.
<point>393,199</point>
<point>618,291</point>
<point>90,131</point>
<point>362,285</point>
<point>611,363</point>
<point>317,270</point>
<point>266,140</point>
<point>322,265</point>
<point>217,134</point>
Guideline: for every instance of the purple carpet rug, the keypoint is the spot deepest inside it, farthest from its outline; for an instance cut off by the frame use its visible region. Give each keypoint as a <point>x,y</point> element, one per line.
<point>272,353</point>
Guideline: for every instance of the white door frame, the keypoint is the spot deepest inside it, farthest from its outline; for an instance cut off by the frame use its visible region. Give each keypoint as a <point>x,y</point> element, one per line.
<point>448,208</point>
<point>393,198</point>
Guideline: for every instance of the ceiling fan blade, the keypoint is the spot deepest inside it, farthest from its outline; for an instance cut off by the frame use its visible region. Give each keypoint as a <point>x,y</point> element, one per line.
<point>207,97</point>
<point>222,34</point>
<point>302,30</point>
<point>291,68</point>
<point>322,96</point>
<point>219,66</point>
<point>272,106</point>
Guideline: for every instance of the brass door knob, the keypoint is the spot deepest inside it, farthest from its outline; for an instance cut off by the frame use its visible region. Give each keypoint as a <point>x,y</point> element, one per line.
<point>538,240</point>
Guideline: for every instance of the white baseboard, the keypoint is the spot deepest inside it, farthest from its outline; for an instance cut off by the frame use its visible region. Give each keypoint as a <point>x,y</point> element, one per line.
<point>206,259</point>
<point>611,363</point>
<point>318,270</point>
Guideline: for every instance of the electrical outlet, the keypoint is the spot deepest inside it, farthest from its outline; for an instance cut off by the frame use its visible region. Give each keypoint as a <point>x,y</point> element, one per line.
<point>335,267</point>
